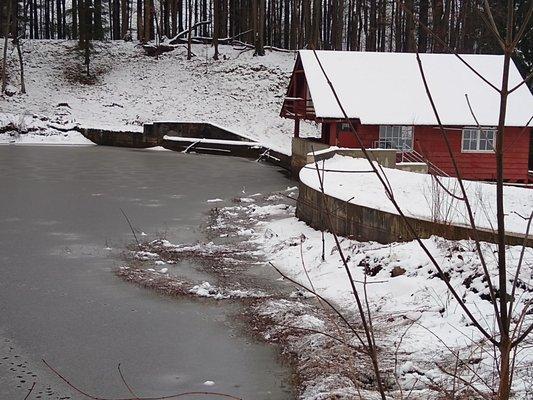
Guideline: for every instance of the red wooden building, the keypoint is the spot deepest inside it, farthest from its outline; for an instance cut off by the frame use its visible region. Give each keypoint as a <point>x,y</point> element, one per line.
<point>384,96</point>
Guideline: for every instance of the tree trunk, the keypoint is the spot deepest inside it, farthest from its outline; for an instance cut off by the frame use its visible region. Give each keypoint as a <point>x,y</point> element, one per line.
<point>189,36</point>
<point>294,25</point>
<point>337,24</point>
<point>6,35</point>
<point>216,26</point>
<point>59,20</point>
<point>174,17</point>
<point>439,26</point>
<point>422,35</point>
<point>74,19</point>
<point>21,64</point>
<point>140,19</point>
<point>372,28</point>
<point>148,21</point>
<point>260,28</point>
<point>409,35</point>
<point>98,29</point>
<point>124,11</point>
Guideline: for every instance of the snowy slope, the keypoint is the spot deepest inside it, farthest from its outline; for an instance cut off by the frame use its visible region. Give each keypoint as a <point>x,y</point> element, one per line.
<point>419,196</point>
<point>241,92</point>
<point>419,325</point>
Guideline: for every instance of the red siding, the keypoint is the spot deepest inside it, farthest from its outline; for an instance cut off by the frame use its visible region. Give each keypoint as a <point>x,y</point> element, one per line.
<point>429,142</point>
<point>368,134</point>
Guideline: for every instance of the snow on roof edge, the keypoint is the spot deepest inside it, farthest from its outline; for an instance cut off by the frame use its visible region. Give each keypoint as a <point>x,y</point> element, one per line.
<point>353,73</point>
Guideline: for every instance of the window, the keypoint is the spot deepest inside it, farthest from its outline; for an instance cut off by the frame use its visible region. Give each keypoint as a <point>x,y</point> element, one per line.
<point>345,127</point>
<point>478,140</point>
<point>395,137</point>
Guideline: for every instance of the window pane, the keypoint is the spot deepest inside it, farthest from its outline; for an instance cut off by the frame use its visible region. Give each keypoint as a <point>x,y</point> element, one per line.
<point>396,136</point>
<point>483,145</point>
<point>466,143</point>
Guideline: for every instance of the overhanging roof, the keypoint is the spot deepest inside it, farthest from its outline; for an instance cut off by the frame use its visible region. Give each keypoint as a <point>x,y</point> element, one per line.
<point>387,88</point>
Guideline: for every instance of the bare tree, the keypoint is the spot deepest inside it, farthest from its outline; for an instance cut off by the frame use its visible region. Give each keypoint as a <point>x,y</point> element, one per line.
<point>16,42</point>
<point>6,35</point>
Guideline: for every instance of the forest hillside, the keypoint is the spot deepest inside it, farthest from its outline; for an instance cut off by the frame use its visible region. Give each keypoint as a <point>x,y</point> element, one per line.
<point>128,88</point>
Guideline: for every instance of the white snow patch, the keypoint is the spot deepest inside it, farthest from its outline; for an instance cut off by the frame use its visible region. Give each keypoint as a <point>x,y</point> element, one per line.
<point>415,194</point>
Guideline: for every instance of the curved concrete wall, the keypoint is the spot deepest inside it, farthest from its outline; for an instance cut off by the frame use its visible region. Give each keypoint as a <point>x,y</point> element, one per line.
<point>365,224</point>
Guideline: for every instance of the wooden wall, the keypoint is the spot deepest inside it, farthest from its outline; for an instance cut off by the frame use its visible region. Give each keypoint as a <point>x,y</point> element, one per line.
<point>429,142</point>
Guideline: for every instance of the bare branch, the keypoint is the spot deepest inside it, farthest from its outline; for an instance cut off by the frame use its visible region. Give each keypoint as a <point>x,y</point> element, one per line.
<point>524,26</point>
<point>489,21</point>
<point>522,336</point>
<point>173,396</point>
<point>29,391</point>
<point>366,326</point>
<point>126,383</point>
<point>131,227</point>
<point>316,331</point>
<point>456,355</point>
<point>526,79</point>
<point>400,211</point>
<point>481,132</point>
<point>519,266</point>
<point>468,208</point>
<point>330,305</point>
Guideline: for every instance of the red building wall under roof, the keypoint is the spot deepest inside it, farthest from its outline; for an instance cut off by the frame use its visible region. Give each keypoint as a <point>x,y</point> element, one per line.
<point>428,141</point>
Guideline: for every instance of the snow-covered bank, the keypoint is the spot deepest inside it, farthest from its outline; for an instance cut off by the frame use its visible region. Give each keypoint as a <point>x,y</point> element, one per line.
<point>420,329</point>
<point>240,92</point>
<point>26,128</point>
<point>419,195</point>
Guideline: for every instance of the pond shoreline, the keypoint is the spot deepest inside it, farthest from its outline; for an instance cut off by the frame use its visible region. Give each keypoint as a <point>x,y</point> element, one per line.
<point>61,239</point>
<point>273,311</point>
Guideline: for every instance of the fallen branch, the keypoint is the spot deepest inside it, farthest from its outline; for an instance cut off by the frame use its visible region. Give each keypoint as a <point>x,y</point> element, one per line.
<point>173,396</point>
<point>175,40</point>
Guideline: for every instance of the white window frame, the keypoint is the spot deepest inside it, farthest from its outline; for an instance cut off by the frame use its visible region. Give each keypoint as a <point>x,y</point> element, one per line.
<point>477,140</point>
<point>401,128</point>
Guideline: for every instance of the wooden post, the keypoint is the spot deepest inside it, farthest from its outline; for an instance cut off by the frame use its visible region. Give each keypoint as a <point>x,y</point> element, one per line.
<point>296,128</point>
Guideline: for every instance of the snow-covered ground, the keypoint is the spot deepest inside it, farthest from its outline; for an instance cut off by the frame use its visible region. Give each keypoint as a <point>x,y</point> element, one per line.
<point>419,195</point>
<point>239,92</point>
<point>420,329</point>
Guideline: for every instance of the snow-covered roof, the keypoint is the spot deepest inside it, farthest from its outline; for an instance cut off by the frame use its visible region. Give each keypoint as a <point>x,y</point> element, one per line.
<point>387,88</point>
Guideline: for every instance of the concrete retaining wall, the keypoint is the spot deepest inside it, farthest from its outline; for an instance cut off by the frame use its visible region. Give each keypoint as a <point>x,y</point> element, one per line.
<point>191,130</point>
<point>385,157</point>
<point>300,149</point>
<point>153,135</point>
<point>421,168</point>
<point>302,154</point>
<point>365,224</point>
<point>121,138</point>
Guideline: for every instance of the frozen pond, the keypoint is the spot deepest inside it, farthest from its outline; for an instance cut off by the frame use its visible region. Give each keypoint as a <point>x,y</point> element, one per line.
<point>59,299</point>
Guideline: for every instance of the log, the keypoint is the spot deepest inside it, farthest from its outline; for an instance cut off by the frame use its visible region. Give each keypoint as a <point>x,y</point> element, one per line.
<point>175,39</point>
